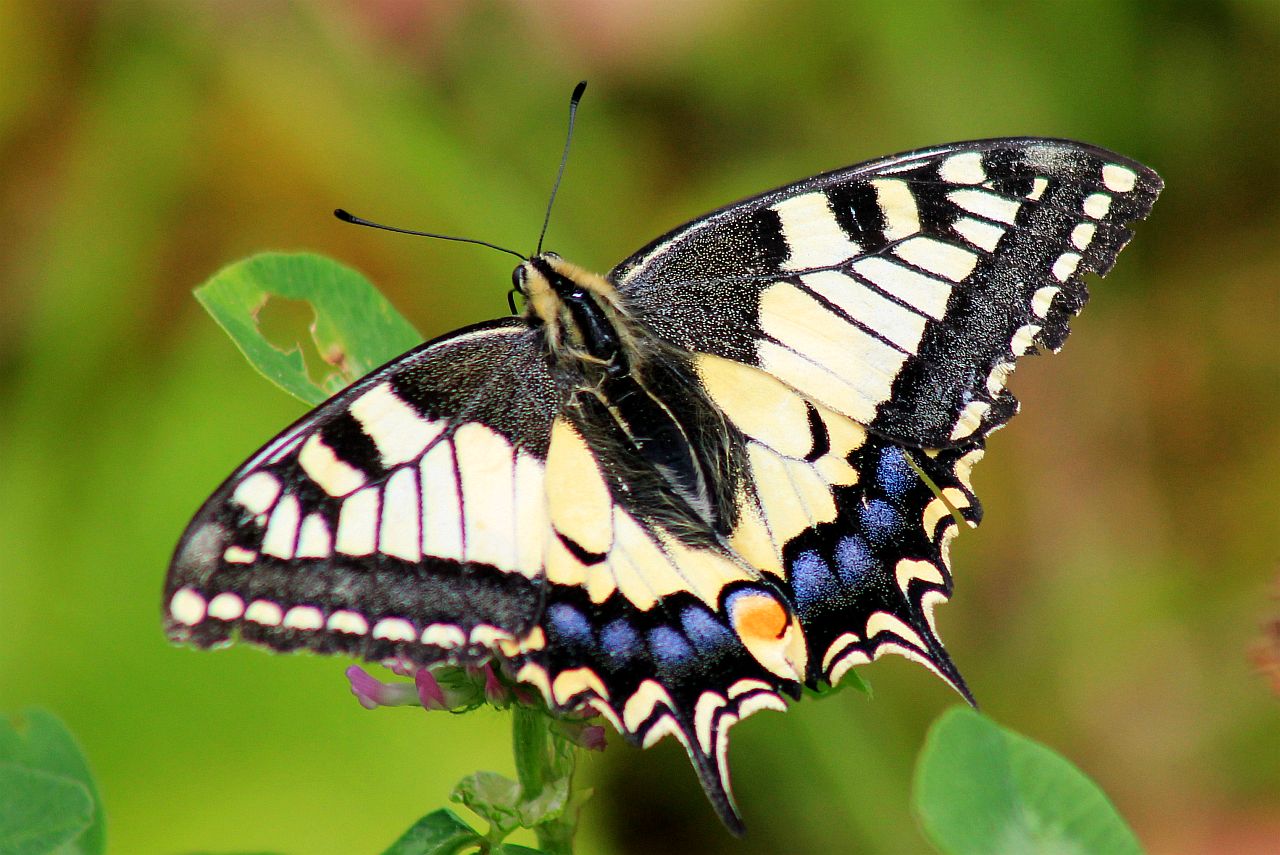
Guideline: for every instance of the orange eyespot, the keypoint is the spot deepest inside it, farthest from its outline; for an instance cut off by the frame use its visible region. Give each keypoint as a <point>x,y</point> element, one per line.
<point>770,632</point>
<point>759,616</point>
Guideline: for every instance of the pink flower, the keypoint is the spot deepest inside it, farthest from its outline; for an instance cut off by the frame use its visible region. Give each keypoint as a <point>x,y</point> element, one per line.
<point>440,687</point>
<point>460,688</point>
<point>583,735</point>
<point>429,692</point>
<point>373,693</point>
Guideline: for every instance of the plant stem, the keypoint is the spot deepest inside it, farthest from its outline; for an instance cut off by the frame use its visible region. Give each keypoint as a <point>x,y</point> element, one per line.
<point>544,756</point>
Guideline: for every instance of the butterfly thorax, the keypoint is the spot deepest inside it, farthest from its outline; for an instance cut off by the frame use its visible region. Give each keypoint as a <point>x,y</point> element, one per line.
<point>580,312</point>
<point>628,387</point>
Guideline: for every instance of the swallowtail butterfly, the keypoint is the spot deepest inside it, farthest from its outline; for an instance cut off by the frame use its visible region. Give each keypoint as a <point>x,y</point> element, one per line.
<point>677,493</point>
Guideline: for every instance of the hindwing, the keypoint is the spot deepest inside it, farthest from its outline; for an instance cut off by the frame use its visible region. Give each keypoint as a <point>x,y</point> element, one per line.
<point>855,527</point>
<point>652,618</point>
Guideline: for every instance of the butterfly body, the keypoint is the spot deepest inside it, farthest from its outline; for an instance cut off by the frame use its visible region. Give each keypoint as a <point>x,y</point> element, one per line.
<point>631,390</point>
<point>680,491</point>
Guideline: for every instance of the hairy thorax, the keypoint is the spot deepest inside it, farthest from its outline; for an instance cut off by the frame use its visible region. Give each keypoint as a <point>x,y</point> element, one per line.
<point>628,387</point>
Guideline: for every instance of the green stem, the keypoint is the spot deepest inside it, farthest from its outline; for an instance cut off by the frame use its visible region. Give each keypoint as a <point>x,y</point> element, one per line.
<point>543,756</point>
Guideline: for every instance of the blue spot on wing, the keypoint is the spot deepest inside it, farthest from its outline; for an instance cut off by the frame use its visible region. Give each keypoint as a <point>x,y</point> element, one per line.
<point>854,559</point>
<point>879,520</point>
<point>702,628</point>
<point>668,647</point>
<point>570,624</point>
<point>893,473</point>
<point>812,581</point>
<point>620,641</point>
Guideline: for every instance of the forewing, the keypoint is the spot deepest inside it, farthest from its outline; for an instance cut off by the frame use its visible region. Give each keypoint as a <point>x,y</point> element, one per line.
<point>403,517</point>
<point>899,292</point>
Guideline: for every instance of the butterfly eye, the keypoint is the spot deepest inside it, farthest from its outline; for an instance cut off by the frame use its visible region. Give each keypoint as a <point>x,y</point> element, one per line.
<point>518,277</point>
<point>553,255</point>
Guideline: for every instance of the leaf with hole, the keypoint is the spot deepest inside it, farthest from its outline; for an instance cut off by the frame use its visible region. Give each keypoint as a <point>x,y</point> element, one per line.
<point>354,328</point>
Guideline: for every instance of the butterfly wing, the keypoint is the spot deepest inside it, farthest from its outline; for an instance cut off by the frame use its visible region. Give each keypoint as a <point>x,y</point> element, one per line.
<point>658,627</point>
<point>853,526</point>
<point>858,328</point>
<point>453,505</point>
<point>673,640</point>
<point>403,517</point>
<point>899,292</point>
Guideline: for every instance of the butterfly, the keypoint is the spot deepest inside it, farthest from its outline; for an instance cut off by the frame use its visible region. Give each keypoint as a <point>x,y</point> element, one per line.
<point>677,493</point>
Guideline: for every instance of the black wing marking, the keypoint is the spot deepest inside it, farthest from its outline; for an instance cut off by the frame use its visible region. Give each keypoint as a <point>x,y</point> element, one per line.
<point>899,292</point>
<point>403,517</point>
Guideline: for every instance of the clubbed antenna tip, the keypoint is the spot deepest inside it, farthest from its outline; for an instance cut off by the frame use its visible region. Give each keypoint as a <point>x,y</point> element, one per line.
<point>564,159</point>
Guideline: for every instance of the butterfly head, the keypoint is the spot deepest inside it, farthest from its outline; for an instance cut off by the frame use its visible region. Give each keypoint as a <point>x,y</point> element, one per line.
<point>580,311</point>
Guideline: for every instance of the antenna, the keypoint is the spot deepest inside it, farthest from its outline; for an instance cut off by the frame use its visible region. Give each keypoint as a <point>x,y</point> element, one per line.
<point>347,217</point>
<point>564,158</point>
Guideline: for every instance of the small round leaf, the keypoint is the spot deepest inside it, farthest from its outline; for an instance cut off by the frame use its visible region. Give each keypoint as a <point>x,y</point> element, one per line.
<point>981,788</point>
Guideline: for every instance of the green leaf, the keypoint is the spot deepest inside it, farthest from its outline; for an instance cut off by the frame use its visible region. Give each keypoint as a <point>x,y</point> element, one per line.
<point>515,849</point>
<point>980,788</point>
<point>548,805</point>
<point>851,680</point>
<point>352,329</point>
<point>40,811</point>
<point>545,760</point>
<point>41,761</point>
<point>494,798</point>
<point>440,832</point>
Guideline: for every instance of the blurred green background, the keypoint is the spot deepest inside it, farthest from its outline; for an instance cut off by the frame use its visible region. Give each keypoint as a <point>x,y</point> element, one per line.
<point>1107,607</point>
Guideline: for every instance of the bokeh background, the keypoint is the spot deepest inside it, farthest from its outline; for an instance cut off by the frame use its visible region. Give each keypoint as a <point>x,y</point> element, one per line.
<point>1112,605</point>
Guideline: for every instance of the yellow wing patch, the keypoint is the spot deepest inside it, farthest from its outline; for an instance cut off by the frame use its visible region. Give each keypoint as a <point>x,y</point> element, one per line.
<point>625,556</point>
<point>578,500</point>
<point>792,478</point>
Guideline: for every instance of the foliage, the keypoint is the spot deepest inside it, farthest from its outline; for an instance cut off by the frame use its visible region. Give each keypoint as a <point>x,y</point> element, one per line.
<point>982,788</point>
<point>48,799</point>
<point>354,329</point>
